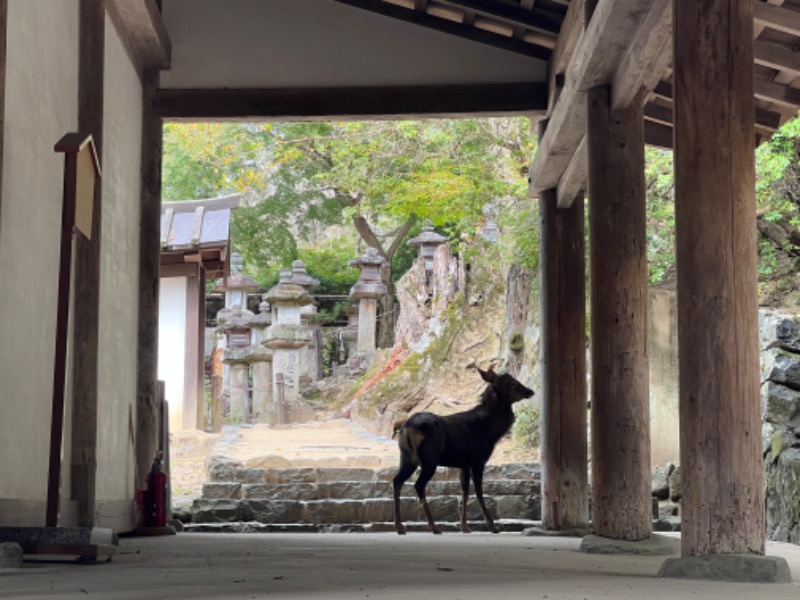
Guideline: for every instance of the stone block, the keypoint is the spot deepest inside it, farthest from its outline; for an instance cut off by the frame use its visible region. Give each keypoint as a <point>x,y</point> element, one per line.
<point>740,568</point>
<point>668,509</point>
<point>675,488</point>
<point>518,507</point>
<point>377,510</point>
<point>272,511</point>
<point>446,508</point>
<point>333,511</point>
<point>291,476</point>
<point>779,404</point>
<point>285,491</point>
<point>330,462</point>
<point>365,462</point>
<point>271,461</point>
<point>248,475</point>
<point>385,473</point>
<point>217,490</point>
<point>782,367</point>
<point>215,511</point>
<point>354,490</point>
<point>345,474</point>
<point>655,545</point>
<point>10,555</point>
<point>780,328</point>
<point>659,482</point>
<point>222,468</point>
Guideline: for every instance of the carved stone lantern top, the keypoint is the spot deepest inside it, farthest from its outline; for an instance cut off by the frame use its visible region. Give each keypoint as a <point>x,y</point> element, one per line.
<point>427,241</point>
<point>287,292</point>
<point>301,277</point>
<point>370,283</point>
<point>264,316</point>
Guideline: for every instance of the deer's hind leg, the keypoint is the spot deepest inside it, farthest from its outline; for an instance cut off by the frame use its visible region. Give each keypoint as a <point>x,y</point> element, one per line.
<point>406,470</point>
<point>428,470</point>
<point>477,478</point>
<point>464,478</point>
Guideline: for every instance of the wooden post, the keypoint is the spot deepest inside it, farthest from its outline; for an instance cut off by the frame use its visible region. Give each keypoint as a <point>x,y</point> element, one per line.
<point>720,427</point>
<point>622,507</point>
<point>193,369</point>
<point>200,421</point>
<point>149,259</point>
<point>86,323</point>
<point>565,489</point>
<point>3,44</point>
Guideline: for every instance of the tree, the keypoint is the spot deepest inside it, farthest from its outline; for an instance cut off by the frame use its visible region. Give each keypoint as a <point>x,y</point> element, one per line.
<point>300,179</point>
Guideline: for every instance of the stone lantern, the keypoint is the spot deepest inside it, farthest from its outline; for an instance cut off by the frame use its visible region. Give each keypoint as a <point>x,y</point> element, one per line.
<point>350,333</point>
<point>427,241</point>
<point>491,232</point>
<point>286,336</point>
<point>367,290</point>
<point>310,360</point>
<point>261,359</point>
<point>234,324</point>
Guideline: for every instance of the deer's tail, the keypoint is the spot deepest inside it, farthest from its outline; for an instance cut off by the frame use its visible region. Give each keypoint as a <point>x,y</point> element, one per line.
<point>409,439</point>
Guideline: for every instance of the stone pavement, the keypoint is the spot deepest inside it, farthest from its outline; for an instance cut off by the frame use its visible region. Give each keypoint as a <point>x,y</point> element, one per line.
<point>346,566</point>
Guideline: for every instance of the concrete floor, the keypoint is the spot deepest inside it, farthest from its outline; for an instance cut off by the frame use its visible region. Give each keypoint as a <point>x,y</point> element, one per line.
<point>419,566</point>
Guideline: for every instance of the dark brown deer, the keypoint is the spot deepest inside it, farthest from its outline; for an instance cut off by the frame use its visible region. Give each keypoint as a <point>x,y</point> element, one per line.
<point>464,440</point>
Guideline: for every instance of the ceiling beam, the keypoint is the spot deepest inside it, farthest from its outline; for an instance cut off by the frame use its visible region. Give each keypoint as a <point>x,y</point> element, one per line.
<point>777,93</point>
<point>776,17</point>
<point>658,135</point>
<point>352,103</point>
<point>575,178</point>
<point>143,32</point>
<point>571,32</point>
<point>609,33</point>
<point>776,57</point>
<point>445,26</point>
<point>535,18</point>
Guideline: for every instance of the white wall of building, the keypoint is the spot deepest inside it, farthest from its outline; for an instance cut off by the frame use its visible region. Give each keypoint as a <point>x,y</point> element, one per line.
<point>41,106</point>
<point>119,284</point>
<point>302,43</point>
<point>172,345</point>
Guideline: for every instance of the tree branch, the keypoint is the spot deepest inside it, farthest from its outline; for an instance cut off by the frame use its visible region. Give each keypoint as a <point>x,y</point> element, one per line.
<point>401,235</point>
<point>366,233</point>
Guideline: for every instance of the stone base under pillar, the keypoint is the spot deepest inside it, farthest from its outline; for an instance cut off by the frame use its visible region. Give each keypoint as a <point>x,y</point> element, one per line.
<point>742,568</point>
<point>655,545</point>
<point>539,532</point>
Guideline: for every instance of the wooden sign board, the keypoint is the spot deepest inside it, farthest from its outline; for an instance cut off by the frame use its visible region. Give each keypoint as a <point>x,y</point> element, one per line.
<point>82,169</point>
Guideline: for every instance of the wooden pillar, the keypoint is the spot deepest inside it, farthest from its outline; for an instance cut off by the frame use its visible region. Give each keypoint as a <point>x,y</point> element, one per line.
<point>565,489</point>
<point>622,508</point>
<point>149,258</point>
<point>86,324</point>
<point>3,44</point>
<point>720,427</point>
<point>200,420</point>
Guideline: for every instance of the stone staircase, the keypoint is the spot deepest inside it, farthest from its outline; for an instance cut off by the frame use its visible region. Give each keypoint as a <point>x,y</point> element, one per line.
<point>240,498</point>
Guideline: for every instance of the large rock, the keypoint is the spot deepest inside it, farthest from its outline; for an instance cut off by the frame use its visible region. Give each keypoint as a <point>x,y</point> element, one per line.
<point>223,467</point>
<point>10,555</point>
<point>216,511</point>
<point>779,328</point>
<point>659,483</point>
<point>779,404</point>
<point>783,497</point>
<point>675,487</point>
<point>781,366</point>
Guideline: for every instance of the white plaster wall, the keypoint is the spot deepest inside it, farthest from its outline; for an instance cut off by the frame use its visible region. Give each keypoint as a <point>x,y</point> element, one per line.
<point>305,43</point>
<point>172,345</point>
<point>662,342</point>
<point>119,273</point>
<point>41,106</point>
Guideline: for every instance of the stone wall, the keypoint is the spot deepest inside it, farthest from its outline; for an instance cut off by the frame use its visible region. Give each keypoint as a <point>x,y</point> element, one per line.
<point>780,409</point>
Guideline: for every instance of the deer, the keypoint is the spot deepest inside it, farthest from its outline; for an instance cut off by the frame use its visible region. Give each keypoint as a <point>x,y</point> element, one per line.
<point>464,440</point>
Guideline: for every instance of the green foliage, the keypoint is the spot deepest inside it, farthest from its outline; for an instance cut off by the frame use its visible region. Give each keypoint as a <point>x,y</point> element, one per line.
<point>328,263</point>
<point>526,428</point>
<point>660,188</point>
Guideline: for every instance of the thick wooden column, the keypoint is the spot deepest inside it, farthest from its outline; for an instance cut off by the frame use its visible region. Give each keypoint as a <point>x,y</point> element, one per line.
<point>86,323</point>
<point>149,259</point>
<point>565,489</point>
<point>3,44</point>
<point>193,366</point>
<point>621,505</point>
<point>720,427</point>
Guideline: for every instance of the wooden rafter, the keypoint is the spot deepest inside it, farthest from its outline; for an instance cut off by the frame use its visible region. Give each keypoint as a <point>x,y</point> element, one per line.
<point>778,93</point>
<point>352,103</point>
<point>534,18</point>
<point>143,31</point>
<point>475,34</point>
<point>776,57</point>
<point>777,17</point>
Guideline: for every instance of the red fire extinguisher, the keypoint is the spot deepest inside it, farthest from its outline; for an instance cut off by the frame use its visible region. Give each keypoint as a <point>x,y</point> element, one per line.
<point>156,511</point>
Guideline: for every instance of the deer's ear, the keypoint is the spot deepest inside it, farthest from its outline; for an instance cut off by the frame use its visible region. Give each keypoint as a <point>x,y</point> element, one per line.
<point>488,376</point>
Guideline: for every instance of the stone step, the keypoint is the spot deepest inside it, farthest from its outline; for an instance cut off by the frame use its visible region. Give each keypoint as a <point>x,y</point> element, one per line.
<point>343,511</point>
<point>227,470</point>
<point>505,526</point>
<point>357,490</point>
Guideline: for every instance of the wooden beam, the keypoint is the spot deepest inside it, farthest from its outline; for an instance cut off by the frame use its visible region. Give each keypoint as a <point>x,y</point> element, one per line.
<point>776,57</point>
<point>595,61</point>
<point>568,37</point>
<point>574,180</point>
<point>179,270</point>
<point>777,17</point>
<point>446,26</point>
<point>534,18</point>
<point>143,32</point>
<point>777,93</point>
<point>352,103</point>
<point>85,320</point>
<point>658,135</point>
<point>647,56</point>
